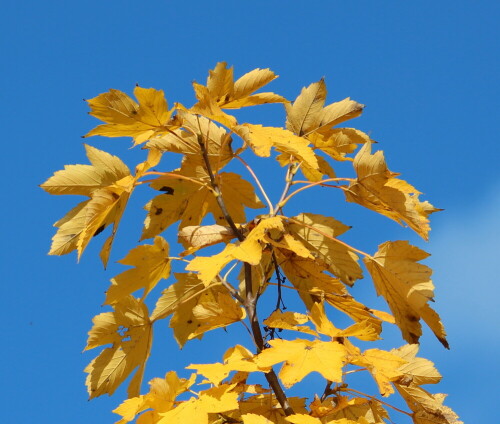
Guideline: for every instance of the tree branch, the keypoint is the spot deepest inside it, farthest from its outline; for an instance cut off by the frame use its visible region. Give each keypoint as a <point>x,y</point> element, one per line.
<point>250,301</point>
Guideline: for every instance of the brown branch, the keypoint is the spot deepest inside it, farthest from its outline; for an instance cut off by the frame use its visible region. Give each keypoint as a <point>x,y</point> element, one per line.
<point>290,173</point>
<point>250,301</point>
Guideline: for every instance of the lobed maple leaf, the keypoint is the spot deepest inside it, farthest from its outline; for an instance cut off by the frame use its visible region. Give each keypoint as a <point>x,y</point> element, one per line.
<point>126,118</point>
<point>376,188</point>
<point>129,331</point>
<point>407,287</point>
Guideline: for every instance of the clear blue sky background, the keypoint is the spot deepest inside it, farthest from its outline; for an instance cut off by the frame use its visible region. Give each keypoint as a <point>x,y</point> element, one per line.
<point>428,73</point>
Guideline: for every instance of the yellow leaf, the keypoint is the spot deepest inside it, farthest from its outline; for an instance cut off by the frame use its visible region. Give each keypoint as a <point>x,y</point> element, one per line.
<point>161,397</point>
<point>186,140</point>
<point>126,118</point>
<point>224,310</point>
<point>249,251</point>
<point>211,401</point>
<point>267,406</point>
<point>189,202</point>
<point>376,188</point>
<point>227,94</point>
<point>384,367</point>
<point>356,411</point>
<point>307,114</point>
<point>302,357</point>
<point>262,139</point>
<point>129,331</point>
<point>151,264</point>
<point>302,419</point>
<point>236,358</point>
<point>363,330</point>
<point>255,419</point>
<point>407,287</point>
<point>313,285</point>
<point>289,321</point>
<point>196,237</point>
<point>196,309</point>
<point>338,142</point>
<point>85,179</point>
<point>417,371</point>
<point>318,233</point>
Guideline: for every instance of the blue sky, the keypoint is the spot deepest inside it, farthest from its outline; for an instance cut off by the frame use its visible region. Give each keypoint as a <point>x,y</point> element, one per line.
<point>427,71</point>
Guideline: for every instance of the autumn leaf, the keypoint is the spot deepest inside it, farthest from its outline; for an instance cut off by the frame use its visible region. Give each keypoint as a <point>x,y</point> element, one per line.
<point>186,140</point>
<point>249,251</point>
<point>267,407</point>
<point>129,332</point>
<point>189,203</point>
<point>406,286</point>
<point>319,234</point>
<point>289,321</point>
<point>161,397</point>
<point>376,188</point>
<point>195,237</point>
<point>214,400</point>
<point>301,357</point>
<point>228,94</point>
<point>151,264</point>
<point>307,113</point>
<point>236,358</point>
<point>416,371</point>
<point>126,118</point>
<point>196,309</point>
<point>344,410</point>
<point>262,139</point>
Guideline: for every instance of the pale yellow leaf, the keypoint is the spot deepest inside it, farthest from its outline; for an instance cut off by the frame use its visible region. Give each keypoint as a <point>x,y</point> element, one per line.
<point>151,264</point>
<point>406,286</point>
<point>124,117</point>
<point>319,234</point>
<point>301,357</point>
<point>376,188</point>
<point>262,139</point>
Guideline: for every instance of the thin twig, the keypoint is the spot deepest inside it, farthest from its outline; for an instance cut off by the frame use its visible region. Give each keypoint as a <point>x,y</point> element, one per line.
<point>285,200</point>
<point>257,181</point>
<point>348,389</point>
<point>329,237</point>
<point>290,173</point>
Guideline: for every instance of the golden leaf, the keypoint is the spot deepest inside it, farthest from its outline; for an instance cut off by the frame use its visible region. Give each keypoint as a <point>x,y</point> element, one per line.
<point>307,114</point>
<point>249,251</point>
<point>214,400</point>
<point>356,411</point>
<point>227,94</point>
<point>318,233</point>
<point>289,321</point>
<point>262,139</point>
<point>407,287</point>
<point>417,371</point>
<point>129,331</point>
<point>326,358</point>
<point>196,309</point>
<point>195,237</point>
<point>161,397</point>
<point>338,142</point>
<point>189,202</point>
<point>313,285</point>
<point>267,406</point>
<point>236,358</point>
<point>384,367</point>
<point>186,140</point>
<point>376,188</point>
<point>151,264</point>
<point>302,419</point>
<point>126,118</point>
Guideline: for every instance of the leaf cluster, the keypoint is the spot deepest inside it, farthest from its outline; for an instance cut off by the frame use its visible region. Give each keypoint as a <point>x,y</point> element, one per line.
<point>268,253</point>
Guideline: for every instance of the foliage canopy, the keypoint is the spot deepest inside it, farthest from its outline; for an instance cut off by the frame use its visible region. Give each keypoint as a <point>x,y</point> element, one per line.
<point>269,253</point>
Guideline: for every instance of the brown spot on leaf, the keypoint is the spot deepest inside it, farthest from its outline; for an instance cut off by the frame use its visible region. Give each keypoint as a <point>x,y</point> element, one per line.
<point>158,211</point>
<point>167,190</point>
<point>99,230</point>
